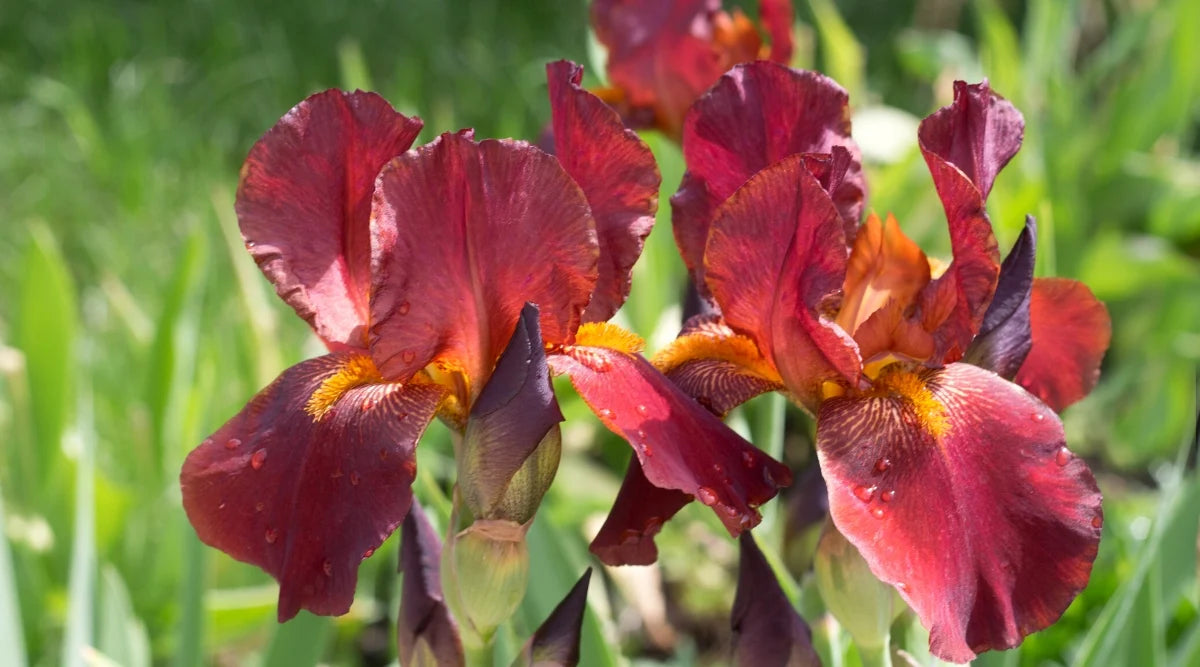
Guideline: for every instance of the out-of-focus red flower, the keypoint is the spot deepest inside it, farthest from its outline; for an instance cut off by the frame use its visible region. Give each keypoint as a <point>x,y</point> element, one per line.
<point>952,479</point>
<point>415,268</point>
<point>663,54</point>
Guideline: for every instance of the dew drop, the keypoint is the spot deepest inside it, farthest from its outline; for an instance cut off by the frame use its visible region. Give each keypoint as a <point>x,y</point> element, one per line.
<point>865,493</point>
<point>706,495</point>
<point>1097,521</point>
<point>1063,456</point>
<point>327,567</point>
<point>271,535</point>
<point>368,403</point>
<point>902,587</point>
<point>647,449</point>
<point>718,469</point>
<point>605,413</point>
<point>233,443</point>
<point>641,435</point>
<point>259,506</point>
<point>368,553</point>
<point>208,442</point>
<point>643,410</point>
<point>354,479</point>
<point>1037,416</point>
<point>403,308</point>
<point>221,506</point>
<point>729,510</point>
<point>878,512</point>
<point>883,464</point>
<point>887,496</point>
<point>336,474</point>
<point>653,524</point>
<point>408,356</point>
<point>258,458</point>
<point>410,468</point>
<point>748,459</point>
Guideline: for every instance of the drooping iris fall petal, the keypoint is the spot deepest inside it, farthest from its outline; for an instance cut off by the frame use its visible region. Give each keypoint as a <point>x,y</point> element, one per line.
<point>425,630</point>
<point>784,225</point>
<point>1005,337</point>
<point>556,641</point>
<point>455,256</point>
<point>1071,331</point>
<point>766,628</point>
<point>965,145</point>
<point>617,173</point>
<point>304,205</point>
<point>638,513</point>
<point>957,488</point>
<point>679,444</point>
<point>755,115</point>
<point>310,477</point>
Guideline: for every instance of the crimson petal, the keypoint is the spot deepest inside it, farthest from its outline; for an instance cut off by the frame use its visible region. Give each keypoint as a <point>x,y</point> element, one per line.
<point>782,223</point>
<point>1071,331</point>
<point>305,498</point>
<point>680,444</point>
<point>556,641</point>
<point>965,145</point>
<point>638,513</point>
<point>463,235</point>
<point>304,205</point>
<point>776,17</point>
<point>425,627</point>
<point>1004,337</point>
<point>957,488</point>
<point>766,628</point>
<point>758,114</point>
<point>617,173</point>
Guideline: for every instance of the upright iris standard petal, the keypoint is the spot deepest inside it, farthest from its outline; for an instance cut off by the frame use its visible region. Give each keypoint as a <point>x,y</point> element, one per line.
<point>965,145</point>
<point>776,16</point>
<point>679,444</point>
<point>556,641</point>
<point>758,114</point>
<point>638,513</point>
<point>310,477</point>
<point>617,172</point>
<point>1071,331</point>
<point>1005,336</point>
<point>784,225</point>
<point>957,488</point>
<point>304,204</point>
<point>766,628</point>
<point>426,632</point>
<point>455,255</point>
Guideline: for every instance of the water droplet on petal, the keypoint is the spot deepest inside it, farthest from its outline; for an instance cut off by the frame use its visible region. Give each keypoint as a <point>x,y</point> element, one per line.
<point>1037,416</point>
<point>327,567</point>
<point>878,512</point>
<point>354,479</point>
<point>887,496</point>
<point>653,524</point>
<point>729,510</point>
<point>749,459</point>
<point>258,458</point>
<point>208,442</point>
<point>718,469</point>
<point>865,493</point>
<point>883,464</point>
<point>233,443</point>
<point>336,474</point>
<point>271,535</point>
<point>410,468</point>
<point>902,587</point>
<point>642,410</point>
<point>368,403</point>
<point>408,356</point>
<point>1063,456</point>
<point>706,495</point>
<point>259,506</point>
<point>403,308</point>
<point>1097,521</point>
<point>647,449</point>
<point>641,435</point>
<point>368,553</point>
<point>221,506</point>
<point>605,413</point>
<point>630,536</point>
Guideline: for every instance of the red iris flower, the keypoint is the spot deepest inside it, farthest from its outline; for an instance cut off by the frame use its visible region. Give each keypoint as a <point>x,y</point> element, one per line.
<point>663,54</point>
<point>414,267</point>
<point>935,388</point>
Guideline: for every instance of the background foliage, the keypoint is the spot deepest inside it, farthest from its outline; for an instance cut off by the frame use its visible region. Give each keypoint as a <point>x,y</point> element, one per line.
<point>132,323</point>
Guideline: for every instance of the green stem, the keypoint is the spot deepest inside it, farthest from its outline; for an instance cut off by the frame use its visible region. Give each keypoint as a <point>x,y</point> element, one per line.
<point>767,430</point>
<point>875,656</point>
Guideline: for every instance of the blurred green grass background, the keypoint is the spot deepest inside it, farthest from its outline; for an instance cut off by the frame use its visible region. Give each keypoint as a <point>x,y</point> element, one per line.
<point>132,323</point>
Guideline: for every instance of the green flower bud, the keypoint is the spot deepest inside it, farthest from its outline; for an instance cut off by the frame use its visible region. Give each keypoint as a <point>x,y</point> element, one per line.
<point>485,571</point>
<point>863,604</point>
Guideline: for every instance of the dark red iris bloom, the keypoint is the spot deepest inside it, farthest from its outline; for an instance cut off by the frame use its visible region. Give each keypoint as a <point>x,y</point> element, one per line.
<point>414,267</point>
<point>663,54</point>
<point>935,388</point>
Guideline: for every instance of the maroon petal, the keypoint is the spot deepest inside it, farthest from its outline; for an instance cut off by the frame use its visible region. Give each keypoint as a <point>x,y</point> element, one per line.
<point>1004,337</point>
<point>307,498</point>
<point>758,114</point>
<point>425,627</point>
<point>965,145</point>
<point>639,512</point>
<point>304,205</point>
<point>776,17</point>
<point>556,641</point>
<point>463,235</point>
<point>1071,331</point>
<point>957,488</point>
<point>717,367</point>
<point>784,225</point>
<point>766,628</point>
<point>617,173</point>
<point>680,444</point>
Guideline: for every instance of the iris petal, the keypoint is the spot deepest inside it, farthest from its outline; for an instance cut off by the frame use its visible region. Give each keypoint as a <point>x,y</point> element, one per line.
<point>305,498</point>
<point>304,204</point>
<point>957,488</point>
<point>638,513</point>
<point>425,627</point>
<point>1071,331</point>
<point>766,628</point>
